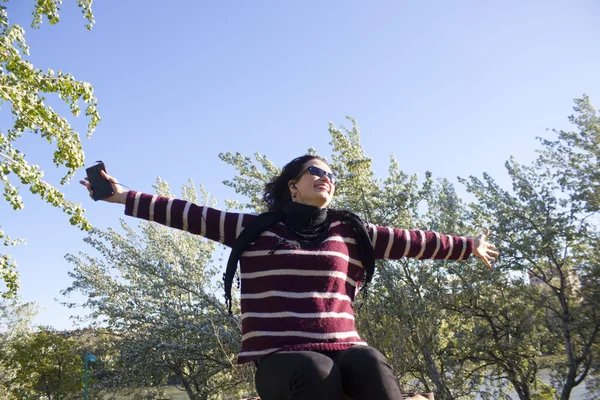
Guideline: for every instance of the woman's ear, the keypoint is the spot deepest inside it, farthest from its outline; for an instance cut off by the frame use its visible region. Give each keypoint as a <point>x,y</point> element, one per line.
<point>292,185</point>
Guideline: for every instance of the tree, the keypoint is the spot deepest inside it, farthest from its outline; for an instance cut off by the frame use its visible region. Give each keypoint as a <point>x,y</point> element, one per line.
<point>548,227</point>
<point>15,327</point>
<point>153,291</point>
<point>501,328</point>
<point>25,89</point>
<point>47,365</point>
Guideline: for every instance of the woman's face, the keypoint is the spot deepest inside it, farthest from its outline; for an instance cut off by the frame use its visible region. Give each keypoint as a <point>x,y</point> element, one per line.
<point>311,189</point>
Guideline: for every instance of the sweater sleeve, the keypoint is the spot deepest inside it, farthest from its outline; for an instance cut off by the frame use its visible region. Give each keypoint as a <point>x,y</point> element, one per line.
<point>217,225</point>
<point>394,243</point>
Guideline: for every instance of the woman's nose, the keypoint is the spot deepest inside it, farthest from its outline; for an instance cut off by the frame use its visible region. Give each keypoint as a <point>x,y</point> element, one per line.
<point>325,177</point>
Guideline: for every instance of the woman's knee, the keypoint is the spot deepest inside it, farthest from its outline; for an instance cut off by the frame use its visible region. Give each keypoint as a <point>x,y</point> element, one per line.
<point>315,366</point>
<point>301,374</point>
<point>367,374</point>
<point>362,357</point>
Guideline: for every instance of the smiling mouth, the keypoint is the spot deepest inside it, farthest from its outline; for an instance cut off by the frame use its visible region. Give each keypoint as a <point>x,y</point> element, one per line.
<point>323,187</point>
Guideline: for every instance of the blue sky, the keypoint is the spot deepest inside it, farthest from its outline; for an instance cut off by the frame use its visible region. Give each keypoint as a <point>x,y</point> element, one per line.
<point>451,87</point>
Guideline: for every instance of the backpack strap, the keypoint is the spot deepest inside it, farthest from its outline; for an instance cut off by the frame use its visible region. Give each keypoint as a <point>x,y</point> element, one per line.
<point>249,234</point>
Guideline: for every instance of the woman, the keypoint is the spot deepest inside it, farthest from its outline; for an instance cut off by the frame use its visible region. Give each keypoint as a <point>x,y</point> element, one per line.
<point>301,267</point>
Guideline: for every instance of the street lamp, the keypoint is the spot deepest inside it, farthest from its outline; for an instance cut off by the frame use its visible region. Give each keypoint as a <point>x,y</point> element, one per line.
<point>88,359</point>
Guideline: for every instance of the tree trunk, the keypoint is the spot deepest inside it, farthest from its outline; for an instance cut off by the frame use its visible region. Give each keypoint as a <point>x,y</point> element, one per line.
<point>521,387</point>
<point>442,390</point>
<point>188,389</point>
<point>569,383</point>
<point>568,387</point>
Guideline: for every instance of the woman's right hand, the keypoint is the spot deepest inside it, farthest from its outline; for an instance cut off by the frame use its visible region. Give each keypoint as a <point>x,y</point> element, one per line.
<point>119,195</point>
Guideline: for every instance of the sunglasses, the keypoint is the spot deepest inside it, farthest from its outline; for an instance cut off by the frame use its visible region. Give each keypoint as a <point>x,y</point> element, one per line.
<point>316,171</point>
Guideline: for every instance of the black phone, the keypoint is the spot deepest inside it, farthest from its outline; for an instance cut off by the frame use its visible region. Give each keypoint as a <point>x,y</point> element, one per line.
<point>102,187</point>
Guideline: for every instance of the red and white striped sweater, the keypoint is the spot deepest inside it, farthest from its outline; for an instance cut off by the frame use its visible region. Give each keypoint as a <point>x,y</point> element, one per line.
<point>293,298</point>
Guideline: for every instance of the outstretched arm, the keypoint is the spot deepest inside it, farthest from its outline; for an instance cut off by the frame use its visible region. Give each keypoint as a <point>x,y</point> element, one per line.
<point>211,223</point>
<point>394,243</point>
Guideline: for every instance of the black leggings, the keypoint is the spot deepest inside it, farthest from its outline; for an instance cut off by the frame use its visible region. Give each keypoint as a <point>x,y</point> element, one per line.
<point>360,372</point>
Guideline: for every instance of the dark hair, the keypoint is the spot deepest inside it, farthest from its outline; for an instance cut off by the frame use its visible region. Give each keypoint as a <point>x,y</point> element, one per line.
<point>277,192</point>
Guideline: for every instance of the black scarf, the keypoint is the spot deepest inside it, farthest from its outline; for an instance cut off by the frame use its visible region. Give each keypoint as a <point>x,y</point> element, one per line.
<point>308,224</point>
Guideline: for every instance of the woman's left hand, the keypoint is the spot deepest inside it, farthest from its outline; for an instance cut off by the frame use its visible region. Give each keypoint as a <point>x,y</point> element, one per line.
<point>484,250</point>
